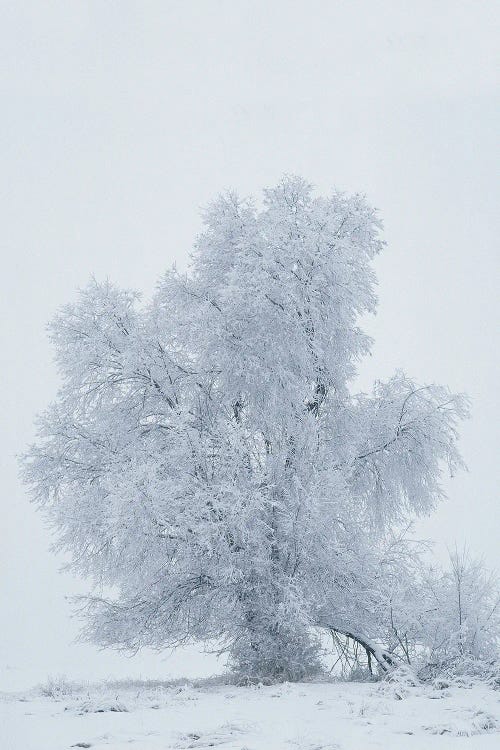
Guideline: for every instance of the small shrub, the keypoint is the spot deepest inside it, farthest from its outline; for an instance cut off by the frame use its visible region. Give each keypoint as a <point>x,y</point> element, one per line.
<point>57,687</point>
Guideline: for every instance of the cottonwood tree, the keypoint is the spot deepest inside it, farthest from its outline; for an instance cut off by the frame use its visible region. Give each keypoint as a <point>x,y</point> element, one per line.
<point>206,463</point>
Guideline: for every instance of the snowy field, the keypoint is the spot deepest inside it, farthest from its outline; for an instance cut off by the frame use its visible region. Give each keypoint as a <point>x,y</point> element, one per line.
<point>210,714</point>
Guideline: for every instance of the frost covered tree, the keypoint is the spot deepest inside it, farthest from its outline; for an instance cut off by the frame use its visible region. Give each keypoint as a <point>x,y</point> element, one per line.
<point>461,632</point>
<point>206,464</point>
<point>441,621</point>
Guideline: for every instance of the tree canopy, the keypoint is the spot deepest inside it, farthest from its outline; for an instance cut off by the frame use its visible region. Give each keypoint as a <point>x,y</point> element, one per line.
<point>206,463</point>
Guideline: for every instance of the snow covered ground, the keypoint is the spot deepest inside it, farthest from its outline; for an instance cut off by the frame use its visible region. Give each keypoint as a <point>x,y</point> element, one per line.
<point>178,715</point>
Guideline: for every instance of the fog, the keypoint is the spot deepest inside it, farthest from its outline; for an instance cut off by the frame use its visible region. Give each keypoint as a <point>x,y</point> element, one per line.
<point>121,120</point>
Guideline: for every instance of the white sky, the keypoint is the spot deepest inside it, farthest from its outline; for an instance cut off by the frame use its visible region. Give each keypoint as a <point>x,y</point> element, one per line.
<point>120,120</point>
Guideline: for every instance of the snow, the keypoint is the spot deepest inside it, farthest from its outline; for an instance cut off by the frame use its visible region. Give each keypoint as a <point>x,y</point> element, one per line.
<point>20,671</point>
<point>176,715</point>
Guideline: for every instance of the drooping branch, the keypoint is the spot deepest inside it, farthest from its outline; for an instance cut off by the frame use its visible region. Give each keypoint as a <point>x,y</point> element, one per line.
<point>383,657</point>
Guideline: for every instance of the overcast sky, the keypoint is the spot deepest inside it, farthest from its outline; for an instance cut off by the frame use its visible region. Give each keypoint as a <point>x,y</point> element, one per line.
<point>120,120</point>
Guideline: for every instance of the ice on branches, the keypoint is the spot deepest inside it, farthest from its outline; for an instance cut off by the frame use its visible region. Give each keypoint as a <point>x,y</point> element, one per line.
<point>206,459</point>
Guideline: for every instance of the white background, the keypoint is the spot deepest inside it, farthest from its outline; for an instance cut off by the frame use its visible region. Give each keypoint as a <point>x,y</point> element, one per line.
<point>121,119</point>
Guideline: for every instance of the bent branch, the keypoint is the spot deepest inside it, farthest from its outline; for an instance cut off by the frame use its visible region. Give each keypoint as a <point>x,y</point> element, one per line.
<point>384,658</point>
